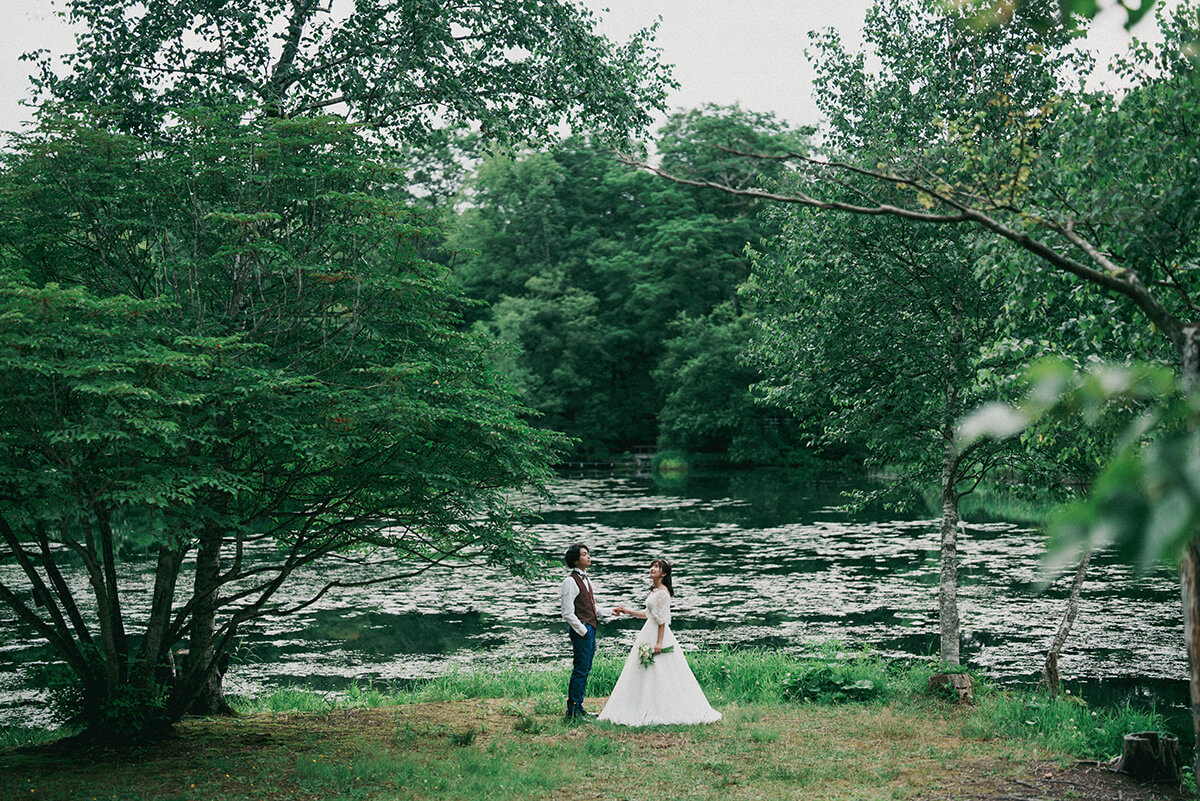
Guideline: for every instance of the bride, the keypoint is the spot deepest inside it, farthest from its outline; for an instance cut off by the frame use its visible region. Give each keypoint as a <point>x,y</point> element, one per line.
<point>656,686</point>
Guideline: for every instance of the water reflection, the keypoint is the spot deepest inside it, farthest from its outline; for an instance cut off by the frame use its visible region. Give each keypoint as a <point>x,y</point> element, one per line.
<point>762,558</point>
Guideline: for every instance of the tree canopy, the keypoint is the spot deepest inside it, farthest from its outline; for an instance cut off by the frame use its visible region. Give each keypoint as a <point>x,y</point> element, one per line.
<point>517,69</point>
<point>228,344</point>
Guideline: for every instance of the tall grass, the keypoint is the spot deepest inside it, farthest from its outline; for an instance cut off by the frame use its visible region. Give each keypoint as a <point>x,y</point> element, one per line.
<point>18,736</point>
<point>1002,503</point>
<point>285,699</point>
<point>1063,723</point>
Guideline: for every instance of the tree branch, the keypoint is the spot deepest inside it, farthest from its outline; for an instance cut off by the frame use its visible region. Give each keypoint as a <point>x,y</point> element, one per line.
<point>281,74</point>
<point>1109,275</point>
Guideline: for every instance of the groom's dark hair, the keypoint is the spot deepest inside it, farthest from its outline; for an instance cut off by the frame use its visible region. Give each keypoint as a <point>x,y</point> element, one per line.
<point>573,553</point>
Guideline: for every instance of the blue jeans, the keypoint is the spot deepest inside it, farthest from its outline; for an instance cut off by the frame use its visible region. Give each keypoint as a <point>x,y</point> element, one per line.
<point>583,649</point>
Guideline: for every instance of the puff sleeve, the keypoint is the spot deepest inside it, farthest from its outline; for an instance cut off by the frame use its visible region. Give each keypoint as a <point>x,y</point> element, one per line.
<point>659,606</point>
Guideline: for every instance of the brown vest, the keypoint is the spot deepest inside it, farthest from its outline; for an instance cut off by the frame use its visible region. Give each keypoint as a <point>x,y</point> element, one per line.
<point>585,604</point>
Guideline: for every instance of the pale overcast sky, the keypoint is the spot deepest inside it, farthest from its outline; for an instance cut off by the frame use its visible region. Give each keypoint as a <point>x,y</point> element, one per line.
<point>749,52</point>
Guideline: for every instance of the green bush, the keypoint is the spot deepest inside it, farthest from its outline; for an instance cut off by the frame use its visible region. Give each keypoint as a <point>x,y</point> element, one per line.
<point>124,713</point>
<point>823,682</point>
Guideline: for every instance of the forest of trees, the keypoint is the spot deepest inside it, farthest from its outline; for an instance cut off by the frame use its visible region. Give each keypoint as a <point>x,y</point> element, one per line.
<point>612,296</point>
<point>344,302</point>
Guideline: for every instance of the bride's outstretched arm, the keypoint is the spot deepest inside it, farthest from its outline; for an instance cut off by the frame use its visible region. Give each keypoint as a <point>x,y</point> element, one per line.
<point>630,612</point>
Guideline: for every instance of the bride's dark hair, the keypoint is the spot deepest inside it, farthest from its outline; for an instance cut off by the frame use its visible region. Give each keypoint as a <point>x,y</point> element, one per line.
<point>665,566</point>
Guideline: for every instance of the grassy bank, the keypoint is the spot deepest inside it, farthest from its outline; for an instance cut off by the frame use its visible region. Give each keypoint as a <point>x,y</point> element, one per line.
<point>823,727</point>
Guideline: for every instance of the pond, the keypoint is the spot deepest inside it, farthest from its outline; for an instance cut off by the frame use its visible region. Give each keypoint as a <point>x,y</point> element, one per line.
<point>762,558</point>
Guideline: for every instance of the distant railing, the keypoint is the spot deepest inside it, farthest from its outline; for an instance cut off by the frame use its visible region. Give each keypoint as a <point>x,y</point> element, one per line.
<point>638,458</point>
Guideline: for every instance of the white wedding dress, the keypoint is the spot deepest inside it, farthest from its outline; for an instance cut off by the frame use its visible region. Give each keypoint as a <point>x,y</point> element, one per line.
<point>664,692</point>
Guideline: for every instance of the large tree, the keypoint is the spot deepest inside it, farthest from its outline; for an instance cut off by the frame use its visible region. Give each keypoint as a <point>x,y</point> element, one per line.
<point>884,332</point>
<point>881,335</point>
<point>252,369</point>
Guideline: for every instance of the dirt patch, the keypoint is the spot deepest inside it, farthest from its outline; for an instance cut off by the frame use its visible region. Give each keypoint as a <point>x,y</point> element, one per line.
<point>1047,781</point>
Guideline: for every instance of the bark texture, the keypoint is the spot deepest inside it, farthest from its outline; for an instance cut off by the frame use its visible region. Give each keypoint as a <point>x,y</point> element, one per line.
<point>199,692</point>
<point>948,586</point>
<point>1191,619</point>
<point>1050,668</point>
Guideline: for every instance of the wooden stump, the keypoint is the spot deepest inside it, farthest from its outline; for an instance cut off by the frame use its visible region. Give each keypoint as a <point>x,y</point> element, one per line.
<point>956,686</point>
<point>1150,757</point>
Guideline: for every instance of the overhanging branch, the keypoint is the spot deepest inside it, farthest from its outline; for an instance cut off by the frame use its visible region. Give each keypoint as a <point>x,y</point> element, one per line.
<point>1105,273</point>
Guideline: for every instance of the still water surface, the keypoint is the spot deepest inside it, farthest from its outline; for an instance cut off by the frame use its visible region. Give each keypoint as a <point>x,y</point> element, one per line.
<point>761,558</point>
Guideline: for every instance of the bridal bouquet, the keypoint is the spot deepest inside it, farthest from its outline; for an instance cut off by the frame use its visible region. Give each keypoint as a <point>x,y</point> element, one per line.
<point>646,653</point>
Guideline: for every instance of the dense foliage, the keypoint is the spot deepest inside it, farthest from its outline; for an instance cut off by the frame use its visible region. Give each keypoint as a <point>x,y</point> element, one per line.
<point>516,68</point>
<point>617,293</point>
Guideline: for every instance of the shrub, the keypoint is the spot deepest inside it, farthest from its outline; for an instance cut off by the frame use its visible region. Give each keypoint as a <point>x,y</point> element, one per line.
<point>824,682</point>
<point>124,713</point>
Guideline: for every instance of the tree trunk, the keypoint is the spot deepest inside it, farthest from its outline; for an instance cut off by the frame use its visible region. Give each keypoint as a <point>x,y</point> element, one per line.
<point>956,687</point>
<point>117,617</point>
<point>1150,757</point>
<point>1050,669</point>
<point>948,586</point>
<point>199,692</point>
<point>155,653</point>
<point>951,458</point>
<point>1188,346</point>
<point>1191,633</point>
<point>104,605</point>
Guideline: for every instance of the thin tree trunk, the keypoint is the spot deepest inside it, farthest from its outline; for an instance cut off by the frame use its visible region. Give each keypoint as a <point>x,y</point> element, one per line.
<point>951,458</point>
<point>1050,668</point>
<point>1188,345</point>
<point>1191,633</point>
<point>948,586</point>
<point>65,596</point>
<point>117,623</point>
<point>41,593</point>
<point>96,575</point>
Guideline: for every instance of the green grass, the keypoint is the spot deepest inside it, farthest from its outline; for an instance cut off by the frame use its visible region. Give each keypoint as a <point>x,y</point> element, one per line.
<point>501,735</point>
<point>288,699</point>
<point>15,736</point>
<point>792,727</point>
<point>1063,724</point>
<point>763,678</point>
<point>996,502</point>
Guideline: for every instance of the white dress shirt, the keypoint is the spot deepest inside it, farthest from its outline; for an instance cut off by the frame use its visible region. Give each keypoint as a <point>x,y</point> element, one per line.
<point>570,591</point>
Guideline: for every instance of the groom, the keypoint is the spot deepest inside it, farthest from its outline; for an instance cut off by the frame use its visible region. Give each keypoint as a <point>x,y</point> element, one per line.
<point>580,611</point>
